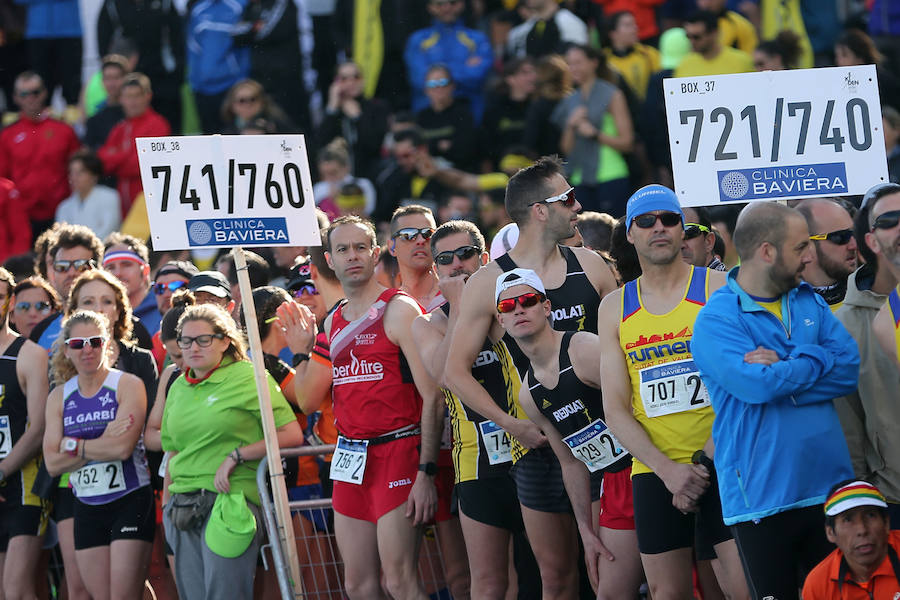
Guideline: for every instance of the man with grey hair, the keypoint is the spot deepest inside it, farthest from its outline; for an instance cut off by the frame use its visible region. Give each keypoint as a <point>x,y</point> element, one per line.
<point>773,359</point>
<point>831,231</point>
<point>869,412</point>
<point>596,229</point>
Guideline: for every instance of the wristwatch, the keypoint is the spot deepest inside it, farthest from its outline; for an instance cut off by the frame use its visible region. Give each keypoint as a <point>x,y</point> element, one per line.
<point>428,468</point>
<point>299,358</point>
<point>71,446</point>
<point>700,458</point>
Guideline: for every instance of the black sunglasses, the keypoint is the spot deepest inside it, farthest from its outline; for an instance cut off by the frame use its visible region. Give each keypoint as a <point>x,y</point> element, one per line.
<point>410,233</point>
<point>648,220</point>
<point>841,237</point>
<point>463,253</point>
<point>77,343</point>
<point>887,220</point>
<point>692,230</point>
<point>161,288</point>
<point>82,264</point>
<point>41,307</point>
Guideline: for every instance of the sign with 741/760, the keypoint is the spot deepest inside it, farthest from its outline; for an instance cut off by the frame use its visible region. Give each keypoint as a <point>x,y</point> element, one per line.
<point>214,191</point>
<point>775,135</point>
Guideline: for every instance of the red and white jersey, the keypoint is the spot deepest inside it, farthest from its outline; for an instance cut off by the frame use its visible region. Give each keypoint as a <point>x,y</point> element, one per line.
<point>372,385</point>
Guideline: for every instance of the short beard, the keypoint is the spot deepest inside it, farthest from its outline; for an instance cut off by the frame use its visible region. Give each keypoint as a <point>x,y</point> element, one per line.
<point>837,271</point>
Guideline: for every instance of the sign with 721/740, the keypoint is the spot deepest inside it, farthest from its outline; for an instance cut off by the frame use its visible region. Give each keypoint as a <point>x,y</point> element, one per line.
<point>240,190</point>
<point>775,135</point>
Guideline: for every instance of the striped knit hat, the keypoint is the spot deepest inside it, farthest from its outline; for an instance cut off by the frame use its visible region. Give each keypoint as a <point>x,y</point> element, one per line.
<point>857,493</point>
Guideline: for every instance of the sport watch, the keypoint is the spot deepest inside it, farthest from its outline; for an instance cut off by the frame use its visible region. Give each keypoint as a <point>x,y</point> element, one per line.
<point>700,458</point>
<point>71,446</point>
<point>428,468</point>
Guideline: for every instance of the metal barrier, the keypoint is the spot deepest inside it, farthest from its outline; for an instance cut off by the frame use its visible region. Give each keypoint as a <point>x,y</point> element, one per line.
<point>320,563</point>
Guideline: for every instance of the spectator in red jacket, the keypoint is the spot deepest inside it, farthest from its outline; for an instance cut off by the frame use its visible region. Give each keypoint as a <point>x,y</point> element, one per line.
<point>34,153</point>
<point>15,231</point>
<point>119,154</point>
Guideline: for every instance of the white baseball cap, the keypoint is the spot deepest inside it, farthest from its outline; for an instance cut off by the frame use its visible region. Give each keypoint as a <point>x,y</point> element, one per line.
<point>518,277</point>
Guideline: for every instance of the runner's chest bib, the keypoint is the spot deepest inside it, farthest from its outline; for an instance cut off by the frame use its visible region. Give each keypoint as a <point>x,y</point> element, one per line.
<point>86,418</point>
<point>669,399</point>
<point>372,386</point>
<point>576,411</point>
<point>13,404</point>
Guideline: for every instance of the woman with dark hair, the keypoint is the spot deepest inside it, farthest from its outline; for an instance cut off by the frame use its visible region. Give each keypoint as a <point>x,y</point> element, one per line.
<point>95,417</point>
<point>554,83</point>
<point>596,132</point>
<point>245,103</point>
<point>854,48</point>
<point>778,54</point>
<point>446,123</point>
<point>503,125</point>
<point>212,427</point>
<point>633,60</point>
<point>33,299</point>
<point>92,205</point>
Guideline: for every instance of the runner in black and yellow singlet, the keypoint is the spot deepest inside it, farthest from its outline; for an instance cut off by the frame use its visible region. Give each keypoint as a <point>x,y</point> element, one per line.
<point>657,405</point>
<point>23,392</point>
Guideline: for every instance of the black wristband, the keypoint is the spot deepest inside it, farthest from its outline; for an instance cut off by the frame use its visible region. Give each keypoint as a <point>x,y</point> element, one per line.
<point>298,358</point>
<point>428,468</point>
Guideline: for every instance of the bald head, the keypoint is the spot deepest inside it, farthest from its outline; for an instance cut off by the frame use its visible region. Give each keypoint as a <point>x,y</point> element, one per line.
<point>818,210</point>
<point>761,222</point>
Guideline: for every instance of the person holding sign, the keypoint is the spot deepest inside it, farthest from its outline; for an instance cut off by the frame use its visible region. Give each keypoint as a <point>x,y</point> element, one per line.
<point>773,358</point>
<point>657,405</point>
<point>23,393</point>
<point>383,486</point>
<point>104,407</point>
<point>212,428</point>
<point>562,396</point>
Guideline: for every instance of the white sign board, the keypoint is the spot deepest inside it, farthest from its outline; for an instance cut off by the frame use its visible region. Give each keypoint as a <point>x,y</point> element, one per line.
<point>236,190</point>
<point>775,135</point>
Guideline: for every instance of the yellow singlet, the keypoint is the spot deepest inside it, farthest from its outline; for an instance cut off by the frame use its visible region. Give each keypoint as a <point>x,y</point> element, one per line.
<point>669,399</point>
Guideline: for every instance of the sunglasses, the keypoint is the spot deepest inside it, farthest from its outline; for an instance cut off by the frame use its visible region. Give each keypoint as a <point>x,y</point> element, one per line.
<point>887,220</point>
<point>41,307</point>
<point>247,100</point>
<point>437,83</point>
<point>692,230</point>
<point>184,342</point>
<point>410,233</point>
<point>309,290</point>
<point>82,264</point>
<point>648,220</point>
<point>463,253</point>
<point>840,237</point>
<point>26,93</point>
<point>161,288</point>
<point>77,343</point>
<point>526,300</point>
<point>567,198</point>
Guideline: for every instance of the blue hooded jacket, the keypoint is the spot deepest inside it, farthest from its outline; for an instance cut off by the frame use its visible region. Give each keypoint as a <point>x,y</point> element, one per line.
<point>214,62</point>
<point>779,444</point>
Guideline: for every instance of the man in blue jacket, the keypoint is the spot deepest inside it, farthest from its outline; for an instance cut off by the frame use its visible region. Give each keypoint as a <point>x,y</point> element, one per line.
<point>466,52</point>
<point>773,357</point>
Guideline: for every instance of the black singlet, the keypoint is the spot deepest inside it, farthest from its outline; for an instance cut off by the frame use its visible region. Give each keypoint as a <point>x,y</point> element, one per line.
<point>13,403</point>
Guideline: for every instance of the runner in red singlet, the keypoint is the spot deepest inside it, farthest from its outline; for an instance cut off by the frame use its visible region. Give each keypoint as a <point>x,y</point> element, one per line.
<point>383,486</point>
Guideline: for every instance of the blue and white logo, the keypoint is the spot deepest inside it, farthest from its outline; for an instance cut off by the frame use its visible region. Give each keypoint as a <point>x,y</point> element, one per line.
<point>767,183</point>
<point>239,231</point>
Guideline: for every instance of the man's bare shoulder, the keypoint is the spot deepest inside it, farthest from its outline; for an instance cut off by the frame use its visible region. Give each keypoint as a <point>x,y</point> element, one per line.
<point>435,321</point>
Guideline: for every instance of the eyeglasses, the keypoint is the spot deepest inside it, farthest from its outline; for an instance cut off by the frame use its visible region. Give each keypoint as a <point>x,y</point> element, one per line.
<point>82,264</point>
<point>437,83</point>
<point>887,220</point>
<point>410,233</point>
<point>526,300</point>
<point>77,343</point>
<point>247,100</point>
<point>203,341</point>
<point>567,198</point>
<point>463,253</point>
<point>161,288</point>
<point>41,307</point>
<point>841,237</point>
<point>692,230</point>
<point>309,290</point>
<point>26,93</point>
<point>648,220</point>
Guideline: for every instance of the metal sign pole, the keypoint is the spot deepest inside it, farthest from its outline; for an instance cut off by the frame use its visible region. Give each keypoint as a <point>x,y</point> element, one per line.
<point>273,452</point>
